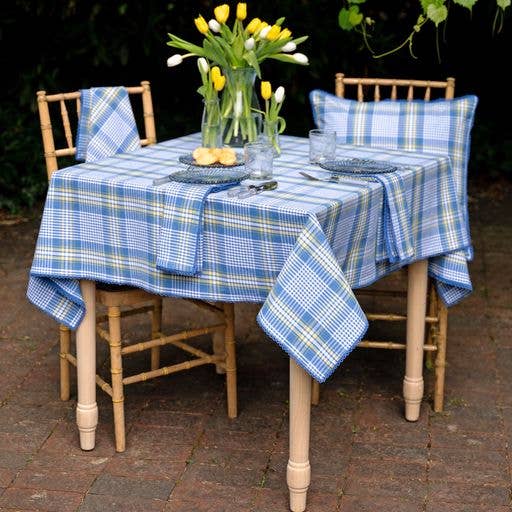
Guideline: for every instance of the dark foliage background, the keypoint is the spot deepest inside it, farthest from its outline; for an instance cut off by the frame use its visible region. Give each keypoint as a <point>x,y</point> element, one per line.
<point>72,44</point>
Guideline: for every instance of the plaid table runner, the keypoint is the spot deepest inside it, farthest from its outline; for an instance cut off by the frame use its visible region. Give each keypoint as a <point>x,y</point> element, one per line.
<point>106,125</point>
<point>299,249</point>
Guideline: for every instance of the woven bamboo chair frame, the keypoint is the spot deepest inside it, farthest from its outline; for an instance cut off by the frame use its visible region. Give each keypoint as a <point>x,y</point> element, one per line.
<point>123,301</point>
<point>372,89</point>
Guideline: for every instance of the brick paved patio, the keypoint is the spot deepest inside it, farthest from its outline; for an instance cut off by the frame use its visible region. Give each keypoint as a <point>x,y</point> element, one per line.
<point>183,454</point>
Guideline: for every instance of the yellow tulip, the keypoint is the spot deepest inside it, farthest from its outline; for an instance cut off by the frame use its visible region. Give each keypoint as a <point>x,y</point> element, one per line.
<point>266,90</point>
<point>253,25</point>
<point>219,82</point>
<point>285,33</point>
<point>201,25</point>
<point>215,72</point>
<point>273,33</point>
<point>241,11</point>
<point>261,26</point>
<point>221,13</point>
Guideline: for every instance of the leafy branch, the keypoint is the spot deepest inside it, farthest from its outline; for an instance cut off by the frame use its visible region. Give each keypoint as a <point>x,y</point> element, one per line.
<point>351,17</point>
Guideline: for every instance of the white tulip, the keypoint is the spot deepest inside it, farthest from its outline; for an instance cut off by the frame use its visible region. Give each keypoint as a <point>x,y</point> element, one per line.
<point>289,47</point>
<point>300,58</point>
<point>202,64</point>
<point>174,60</point>
<point>238,107</point>
<point>214,25</point>
<point>249,44</point>
<point>264,31</point>
<point>279,94</point>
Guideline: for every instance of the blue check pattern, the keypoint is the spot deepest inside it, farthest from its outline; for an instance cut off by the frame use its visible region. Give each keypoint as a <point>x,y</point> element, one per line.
<point>180,248</point>
<point>440,127</point>
<point>106,125</point>
<point>300,249</point>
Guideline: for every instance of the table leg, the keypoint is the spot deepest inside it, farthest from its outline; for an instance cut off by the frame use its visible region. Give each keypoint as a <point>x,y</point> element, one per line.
<point>298,473</point>
<point>416,310</point>
<point>87,409</point>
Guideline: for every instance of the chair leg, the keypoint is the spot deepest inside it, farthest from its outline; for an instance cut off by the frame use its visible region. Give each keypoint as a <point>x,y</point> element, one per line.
<point>156,328</point>
<point>116,370</point>
<point>65,345</point>
<point>218,349</point>
<point>440,364</point>
<point>229,345</point>
<point>431,328</point>
<point>315,392</point>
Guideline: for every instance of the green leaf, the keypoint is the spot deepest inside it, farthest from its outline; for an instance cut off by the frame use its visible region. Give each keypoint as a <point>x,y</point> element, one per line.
<point>437,14</point>
<point>503,3</point>
<point>354,17</point>
<point>251,59</point>
<point>356,1</point>
<point>280,21</point>
<point>468,4</point>
<point>425,4</point>
<point>299,40</point>
<point>349,18</point>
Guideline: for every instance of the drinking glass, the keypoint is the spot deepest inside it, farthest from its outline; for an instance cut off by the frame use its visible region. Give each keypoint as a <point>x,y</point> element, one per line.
<point>259,159</point>
<point>322,145</point>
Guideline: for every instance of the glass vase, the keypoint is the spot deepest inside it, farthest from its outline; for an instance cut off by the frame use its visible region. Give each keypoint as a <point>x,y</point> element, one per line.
<point>240,109</point>
<point>211,124</point>
<point>270,135</point>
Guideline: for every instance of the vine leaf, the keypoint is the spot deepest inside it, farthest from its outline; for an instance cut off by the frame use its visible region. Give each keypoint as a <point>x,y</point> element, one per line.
<point>349,18</point>
<point>425,4</point>
<point>343,21</point>
<point>468,4</point>
<point>355,17</point>
<point>437,14</point>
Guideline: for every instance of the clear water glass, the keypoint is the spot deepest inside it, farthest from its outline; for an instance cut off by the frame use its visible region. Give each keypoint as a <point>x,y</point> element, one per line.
<point>322,145</point>
<point>259,159</point>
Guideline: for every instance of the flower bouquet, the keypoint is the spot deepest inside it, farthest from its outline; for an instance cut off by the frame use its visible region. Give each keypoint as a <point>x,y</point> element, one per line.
<point>238,51</point>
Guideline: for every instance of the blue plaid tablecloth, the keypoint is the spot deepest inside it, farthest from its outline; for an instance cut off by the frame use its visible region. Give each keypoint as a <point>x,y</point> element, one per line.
<point>300,249</point>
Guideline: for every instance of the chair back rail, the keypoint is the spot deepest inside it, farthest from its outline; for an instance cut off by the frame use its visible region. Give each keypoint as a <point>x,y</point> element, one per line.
<point>364,84</point>
<point>72,99</point>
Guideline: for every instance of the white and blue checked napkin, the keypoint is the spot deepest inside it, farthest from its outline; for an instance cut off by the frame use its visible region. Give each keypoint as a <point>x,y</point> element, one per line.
<point>180,247</point>
<point>106,125</point>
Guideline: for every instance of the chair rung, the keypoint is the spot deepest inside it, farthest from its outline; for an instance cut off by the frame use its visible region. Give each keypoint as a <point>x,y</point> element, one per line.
<point>382,293</point>
<point>205,305</point>
<point>385,317</point>
<point>391,345</point>
<point>71,359</point>
<point>103,334</point>
<point>157,342</point>
<point>105,386</point>
<point>189,348</point>
<point>167,370</point>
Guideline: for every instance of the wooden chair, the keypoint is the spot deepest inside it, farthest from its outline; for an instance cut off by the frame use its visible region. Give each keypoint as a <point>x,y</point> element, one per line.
<point>372,89</point>
<point>125,300</point>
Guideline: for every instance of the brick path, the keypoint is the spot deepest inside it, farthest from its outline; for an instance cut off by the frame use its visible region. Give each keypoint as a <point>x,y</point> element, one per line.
<point>183,454</point>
